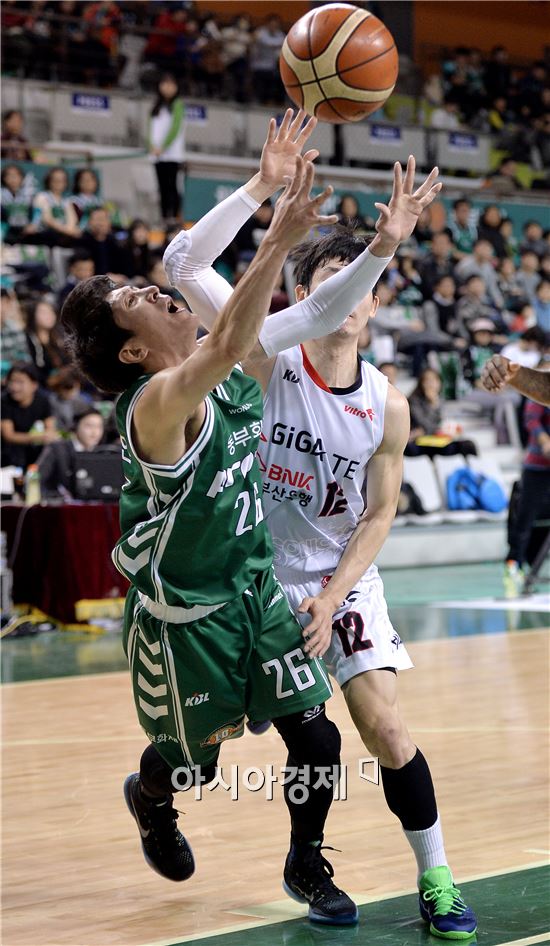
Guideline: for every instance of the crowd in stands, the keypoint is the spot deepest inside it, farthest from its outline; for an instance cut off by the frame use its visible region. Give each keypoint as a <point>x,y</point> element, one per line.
<point>467,284</point>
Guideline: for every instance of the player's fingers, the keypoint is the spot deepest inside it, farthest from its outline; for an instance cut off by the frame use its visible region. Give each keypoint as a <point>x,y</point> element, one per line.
<point>307,130</point>
<point>271,131</point>
<point>308,178</point>
<point>513,368</point>
<point>298,177</point>
<point>425,187</point>
<point>397,180</point>
<point>305,605</point>
<point>326,220</point>
<point>431,195</point>
<point>296,124</point>
<point>384,211</point>
<point>324,195</point>
<point>284,126</point>
<point>409,175</point>
<point>311,155</point>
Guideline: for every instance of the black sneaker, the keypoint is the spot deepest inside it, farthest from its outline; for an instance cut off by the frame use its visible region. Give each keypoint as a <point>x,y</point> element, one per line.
<point>308,879</point>
<point>164,847</point>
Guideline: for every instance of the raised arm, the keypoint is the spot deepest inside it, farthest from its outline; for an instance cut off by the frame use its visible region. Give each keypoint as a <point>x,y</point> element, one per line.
<point>189,257</point>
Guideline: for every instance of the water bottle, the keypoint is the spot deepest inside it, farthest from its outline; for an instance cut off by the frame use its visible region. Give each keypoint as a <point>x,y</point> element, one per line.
<point>32,485</point>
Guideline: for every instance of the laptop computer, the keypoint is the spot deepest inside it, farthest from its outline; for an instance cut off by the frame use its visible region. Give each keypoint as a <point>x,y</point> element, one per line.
<point>98,474</point>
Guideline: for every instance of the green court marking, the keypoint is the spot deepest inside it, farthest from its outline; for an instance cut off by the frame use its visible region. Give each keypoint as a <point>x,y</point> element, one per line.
<point>513,909</point>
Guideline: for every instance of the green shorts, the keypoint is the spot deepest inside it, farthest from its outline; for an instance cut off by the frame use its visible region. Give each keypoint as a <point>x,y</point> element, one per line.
<point>194,682</point>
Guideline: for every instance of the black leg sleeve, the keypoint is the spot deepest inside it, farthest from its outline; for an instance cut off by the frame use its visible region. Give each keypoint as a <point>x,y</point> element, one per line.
<point>410,793</point>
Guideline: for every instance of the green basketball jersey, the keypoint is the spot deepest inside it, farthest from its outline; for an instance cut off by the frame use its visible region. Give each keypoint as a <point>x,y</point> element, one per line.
<point>193,533</point>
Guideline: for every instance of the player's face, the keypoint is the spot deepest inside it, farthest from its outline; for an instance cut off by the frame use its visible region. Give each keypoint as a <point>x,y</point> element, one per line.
<point>357,319</point>
<point>158,324</point>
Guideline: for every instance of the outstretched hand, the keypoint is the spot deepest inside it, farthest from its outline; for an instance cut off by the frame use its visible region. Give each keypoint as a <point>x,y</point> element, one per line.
<point>398,219</point>
<point>282,146</point>
<point>296,212</point>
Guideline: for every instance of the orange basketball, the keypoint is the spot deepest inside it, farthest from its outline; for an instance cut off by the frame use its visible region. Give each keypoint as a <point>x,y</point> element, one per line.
<point>339,63</point>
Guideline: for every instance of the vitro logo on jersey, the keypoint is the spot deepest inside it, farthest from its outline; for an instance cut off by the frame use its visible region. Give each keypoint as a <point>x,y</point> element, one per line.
<point>357,412</point>
<point>197,699</point>
<point>288,375</point>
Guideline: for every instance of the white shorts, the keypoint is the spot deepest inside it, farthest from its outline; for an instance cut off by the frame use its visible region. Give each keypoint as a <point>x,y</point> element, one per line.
<point>363,637</point>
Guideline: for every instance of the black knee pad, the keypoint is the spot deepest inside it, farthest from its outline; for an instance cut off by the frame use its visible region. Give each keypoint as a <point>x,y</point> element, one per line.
<point>310,737</point>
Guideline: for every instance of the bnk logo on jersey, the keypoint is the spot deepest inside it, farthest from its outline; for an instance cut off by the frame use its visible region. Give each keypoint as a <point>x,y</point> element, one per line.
<point>197,699</point>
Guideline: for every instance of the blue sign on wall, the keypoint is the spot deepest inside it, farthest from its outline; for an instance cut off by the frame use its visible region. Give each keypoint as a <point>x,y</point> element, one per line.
<point>198,114</point>
<point>87,102</point>
<point>461,141</point>
<point>386,134</point>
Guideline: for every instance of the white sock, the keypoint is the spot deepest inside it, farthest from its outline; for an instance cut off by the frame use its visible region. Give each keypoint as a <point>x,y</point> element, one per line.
<point>428,847</point>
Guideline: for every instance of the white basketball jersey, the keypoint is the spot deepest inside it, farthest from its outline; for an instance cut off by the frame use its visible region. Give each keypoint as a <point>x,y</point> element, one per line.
<point>313,453</point>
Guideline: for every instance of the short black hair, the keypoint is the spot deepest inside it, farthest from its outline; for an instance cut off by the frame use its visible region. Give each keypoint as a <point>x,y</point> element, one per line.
<point>93,339</point>
<point>50,174</point>
<point>339,244</point>
<point>461,200</point>
<point>24,367</point>
<point>81,256</point>
<point>78,178</point>
<point>89,412</point>
<point>10,167</point>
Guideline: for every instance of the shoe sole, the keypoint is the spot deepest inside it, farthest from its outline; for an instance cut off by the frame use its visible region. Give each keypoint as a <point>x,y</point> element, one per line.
<point>349,919</point>
<point>450,934</point>
<point>152,865</point>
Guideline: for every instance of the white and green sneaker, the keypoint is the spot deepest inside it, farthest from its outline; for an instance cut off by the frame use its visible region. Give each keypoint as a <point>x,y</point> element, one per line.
<point>442,906</point>
<point>513,579</point>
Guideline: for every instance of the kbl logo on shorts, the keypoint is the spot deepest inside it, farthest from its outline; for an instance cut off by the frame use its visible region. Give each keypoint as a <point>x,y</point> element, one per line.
<point>197,699</point>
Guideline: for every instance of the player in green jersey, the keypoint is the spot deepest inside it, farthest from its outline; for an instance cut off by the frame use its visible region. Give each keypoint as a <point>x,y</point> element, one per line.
<point>208,631</point>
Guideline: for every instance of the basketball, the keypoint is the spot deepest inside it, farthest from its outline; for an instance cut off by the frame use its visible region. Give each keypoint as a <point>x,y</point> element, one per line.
<point>339,63</point>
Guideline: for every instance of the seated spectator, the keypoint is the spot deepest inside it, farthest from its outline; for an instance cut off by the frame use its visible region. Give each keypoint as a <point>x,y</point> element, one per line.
<point>447,116</point>
<point>427,421</point>
<point>16,202</point>
<point>463,229</point>
<point>504,180</point>
<point>65,397</point>
<point>501,124</point>
<point>102,246</point>
<point>81,266</point>
<point>533,238</point>
<point>437,263</point>
<point>511,243</point>
<point>481,264</point>
<point>237,38</point>
<point>102,20</point>
<point>169,27</point>
<point>509,286</point>
<point>55,222</point>
<point>482,347</point>
<point>523,319</point>
<point>14,341</point>
<point>440,312</point>
<point>541,305</point>
<point>252,233</point>
<point>14,144</point>
<point>473,305</point>
<point>135,253</point>
<point>58,461</point>
<point>43,337</point>
<point>264,61</point>
<point>527,349</point>
<point>209,68</point>
<point>497,73</point>
<point>85,195</point>
<point>488,228</point>
<point>27,421</point>
<point>350,216</point>
<point>528,276</point>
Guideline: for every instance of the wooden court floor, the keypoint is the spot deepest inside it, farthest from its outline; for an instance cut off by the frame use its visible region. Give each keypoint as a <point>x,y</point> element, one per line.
<point>73,872</point>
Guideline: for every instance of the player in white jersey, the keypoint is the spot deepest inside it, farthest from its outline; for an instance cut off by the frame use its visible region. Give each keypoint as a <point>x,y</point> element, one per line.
<point>334,433</point>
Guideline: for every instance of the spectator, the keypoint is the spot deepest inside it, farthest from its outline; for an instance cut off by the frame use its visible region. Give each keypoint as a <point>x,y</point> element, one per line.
<point>68,37</point>
<point>533,239</point>
<point>237,39</point>
<point>509,286</point>
<point>209,68</point>
<point>14,341</point>
<point>169,28</point>
<point>527,349</point>
<point>66,398</point>
<point>101,245</point>
<point>58,461</point>
<point>437,263</point>
<point>505,179</point>
<point>136,255</point>
<point>55,223</point>
<point>103,21</point>
<point>481,264</point>
<point>427,421</point>
<point>43,338</point>
<point>528,275</point>
<point>501,124</point>
<point>463,229</point>
<point>440,312</point>
<point>511,243</point>
<point>264,61</point>
<point>85,195</point>
<point>541,305</point>
<point>81,266</point>
<point>497,73</point>
<point>27,421</point>
<point>473,305</point>
<point>489,229</point>
<point>534,495</point>
<point>389,368</point>
<point>16,202</point>
<point>166,144</point>
<point>447,116</point>
<point>252,233</point>
<point>14,143</point>
<point>350,216</point>
<point>482,347</point>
